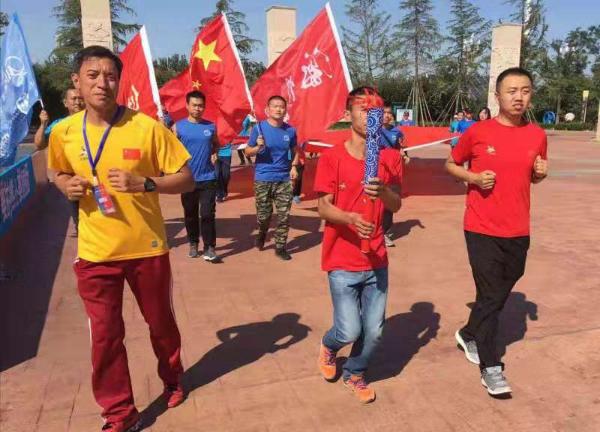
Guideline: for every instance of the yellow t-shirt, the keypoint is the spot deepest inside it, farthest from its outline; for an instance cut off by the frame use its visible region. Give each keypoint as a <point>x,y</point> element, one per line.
<point>137,144</point>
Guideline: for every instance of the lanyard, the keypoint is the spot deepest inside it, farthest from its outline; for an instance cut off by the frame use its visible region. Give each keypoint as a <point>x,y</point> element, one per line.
<point>94,161</point>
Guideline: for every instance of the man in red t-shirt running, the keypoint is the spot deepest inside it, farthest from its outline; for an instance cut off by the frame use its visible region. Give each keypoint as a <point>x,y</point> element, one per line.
<point>505,154</point>
<point>358,282</point>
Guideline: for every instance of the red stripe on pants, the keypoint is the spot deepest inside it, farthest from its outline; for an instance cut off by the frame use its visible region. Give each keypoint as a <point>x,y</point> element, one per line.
<point>101,288</point>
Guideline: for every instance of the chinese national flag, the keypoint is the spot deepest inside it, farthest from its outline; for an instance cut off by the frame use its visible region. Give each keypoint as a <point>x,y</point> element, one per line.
<point>216,70</point>
<point>312,75</point>
<point>137,87</point>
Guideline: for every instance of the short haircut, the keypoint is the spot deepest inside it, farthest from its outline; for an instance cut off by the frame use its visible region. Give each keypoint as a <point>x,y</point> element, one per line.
<point>66,92</point>
<point>518,71</point>
<point>406,113</point>
<point>467,111</point>
<point>195,94</point>
<point>277,97</point>
<point>99,52</point>
<point>359,91</point>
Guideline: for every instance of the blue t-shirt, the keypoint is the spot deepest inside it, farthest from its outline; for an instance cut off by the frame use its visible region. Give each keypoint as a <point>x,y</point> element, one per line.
<point>406,123</point>
<point>197,139</point>
<point>224,151</point>
<point>391,137</point>
<point>246,127</point>
<point>463,125</point>
<point>454,126</point>
<point>49,128</point>
<point>273,162</point>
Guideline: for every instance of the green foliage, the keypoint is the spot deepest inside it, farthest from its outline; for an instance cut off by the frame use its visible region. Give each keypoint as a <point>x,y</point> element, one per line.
<point>531,15</point>
<point>418,34</point>
<point>239,28</point>
<point>569,126</point>
<point>370,50</point>
<point>69,38</point>
<point>166,68</point>
<point>460,70</point>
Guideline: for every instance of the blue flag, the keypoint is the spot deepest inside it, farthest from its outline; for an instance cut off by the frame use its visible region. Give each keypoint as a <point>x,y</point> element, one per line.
<point>18,91</point>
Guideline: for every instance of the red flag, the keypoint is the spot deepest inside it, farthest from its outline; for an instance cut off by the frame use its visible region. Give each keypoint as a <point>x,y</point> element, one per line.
<point>312,75</point>
<point>173,95</point>
<point>216,70</point>
<point>137,88</point>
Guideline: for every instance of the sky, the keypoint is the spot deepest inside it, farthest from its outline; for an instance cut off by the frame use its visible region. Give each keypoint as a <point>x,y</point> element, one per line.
<point>170,24</point>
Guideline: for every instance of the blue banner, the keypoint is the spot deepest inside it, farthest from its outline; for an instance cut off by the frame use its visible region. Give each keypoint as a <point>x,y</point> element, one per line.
<point>18,91</point>
<point>17,185</point>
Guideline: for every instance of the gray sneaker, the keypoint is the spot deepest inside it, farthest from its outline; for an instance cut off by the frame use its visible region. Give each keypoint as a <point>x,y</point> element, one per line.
<point>193,253</point>
<point>470,348</point>
<point>389,242</point>
<point>210,254</point>
<point>494,380</point>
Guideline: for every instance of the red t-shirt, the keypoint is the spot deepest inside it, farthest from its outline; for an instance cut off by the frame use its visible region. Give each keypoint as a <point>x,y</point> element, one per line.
<point>510,152</point>
<point>340,174</point>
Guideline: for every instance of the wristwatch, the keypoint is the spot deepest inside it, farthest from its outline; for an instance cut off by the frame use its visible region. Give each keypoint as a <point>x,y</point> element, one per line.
<point>149,185</point>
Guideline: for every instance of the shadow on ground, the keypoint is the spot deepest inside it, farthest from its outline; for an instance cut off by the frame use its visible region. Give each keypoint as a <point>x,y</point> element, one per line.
<point>29,259</point>
<point>240,345</point>
<point>403,336</point>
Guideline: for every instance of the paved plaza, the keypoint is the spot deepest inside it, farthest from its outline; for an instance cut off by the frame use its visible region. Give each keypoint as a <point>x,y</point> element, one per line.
<point>251,325</point>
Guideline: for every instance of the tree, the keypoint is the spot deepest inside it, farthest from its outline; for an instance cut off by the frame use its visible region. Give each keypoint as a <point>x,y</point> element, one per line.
<point>166,68</point>
<point>419,39</point>
<point>468,42</point>
<point>69,38</point>
<point>239,28</point>
<point>530,14</point>
<point>370,52</point>
<point>3,22</point>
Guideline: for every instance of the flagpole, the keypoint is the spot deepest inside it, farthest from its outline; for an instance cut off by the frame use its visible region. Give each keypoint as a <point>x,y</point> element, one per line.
<point>150,64</point>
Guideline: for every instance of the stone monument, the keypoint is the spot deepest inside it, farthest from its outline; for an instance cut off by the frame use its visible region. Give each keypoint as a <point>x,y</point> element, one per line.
<point>506,53</point>
<point>95,23</point>
<point>281,30</point>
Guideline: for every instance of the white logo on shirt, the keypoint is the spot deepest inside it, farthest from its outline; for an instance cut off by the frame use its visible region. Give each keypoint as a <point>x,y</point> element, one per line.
<point>491,150</point>
<point>286,138</point>
<point>207,132</point>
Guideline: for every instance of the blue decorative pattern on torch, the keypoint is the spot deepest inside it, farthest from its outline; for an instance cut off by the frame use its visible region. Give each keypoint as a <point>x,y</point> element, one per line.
<point>374,124</point>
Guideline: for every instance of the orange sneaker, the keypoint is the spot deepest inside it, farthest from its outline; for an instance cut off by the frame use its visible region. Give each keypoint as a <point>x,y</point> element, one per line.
<point>360,388</point>
<point>326,362</point>
<point>174,395</point>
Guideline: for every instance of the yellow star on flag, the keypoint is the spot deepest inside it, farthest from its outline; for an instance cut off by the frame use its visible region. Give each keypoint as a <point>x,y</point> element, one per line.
<point>206,53</point>
<point>196,84</point>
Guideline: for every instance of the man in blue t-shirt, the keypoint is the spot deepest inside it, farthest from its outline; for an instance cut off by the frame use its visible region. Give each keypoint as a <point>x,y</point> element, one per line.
<point>73,102</point>
<point>391,137</point>
<point>273,142</point>
<point>466,122</point>
<point>199,137</point>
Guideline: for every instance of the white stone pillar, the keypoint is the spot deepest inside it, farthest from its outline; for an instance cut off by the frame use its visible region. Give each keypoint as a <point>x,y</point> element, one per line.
<point>281,30</point>
<point>506,53</point>
<point>95,23</point>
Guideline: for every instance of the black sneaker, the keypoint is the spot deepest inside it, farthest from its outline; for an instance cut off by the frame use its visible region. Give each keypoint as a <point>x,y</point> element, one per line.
<point>283,254</point>
<point>210,254</point>
<point>193,253</point>
<point>259,242</point>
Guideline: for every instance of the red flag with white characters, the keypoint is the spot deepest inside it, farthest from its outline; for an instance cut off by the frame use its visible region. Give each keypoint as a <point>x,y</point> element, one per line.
<point>137,86</point>
<point>312,75</point>
<point>216,70</point>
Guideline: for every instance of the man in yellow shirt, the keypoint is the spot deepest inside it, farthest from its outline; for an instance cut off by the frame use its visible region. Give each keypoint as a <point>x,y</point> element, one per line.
<point>115,162</point>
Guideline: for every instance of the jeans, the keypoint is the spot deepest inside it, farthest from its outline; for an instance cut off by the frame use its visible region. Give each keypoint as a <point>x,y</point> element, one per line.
<point>203,197</point>
<point>497,264</point>
<point>359,300</point>
<point>223,171</point>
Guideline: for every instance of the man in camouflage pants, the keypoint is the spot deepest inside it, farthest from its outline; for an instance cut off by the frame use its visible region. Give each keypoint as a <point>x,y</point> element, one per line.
<point>273,142</point>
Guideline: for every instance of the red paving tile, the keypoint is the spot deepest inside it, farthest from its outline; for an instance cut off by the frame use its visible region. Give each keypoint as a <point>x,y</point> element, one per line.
<point>226,314</point>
